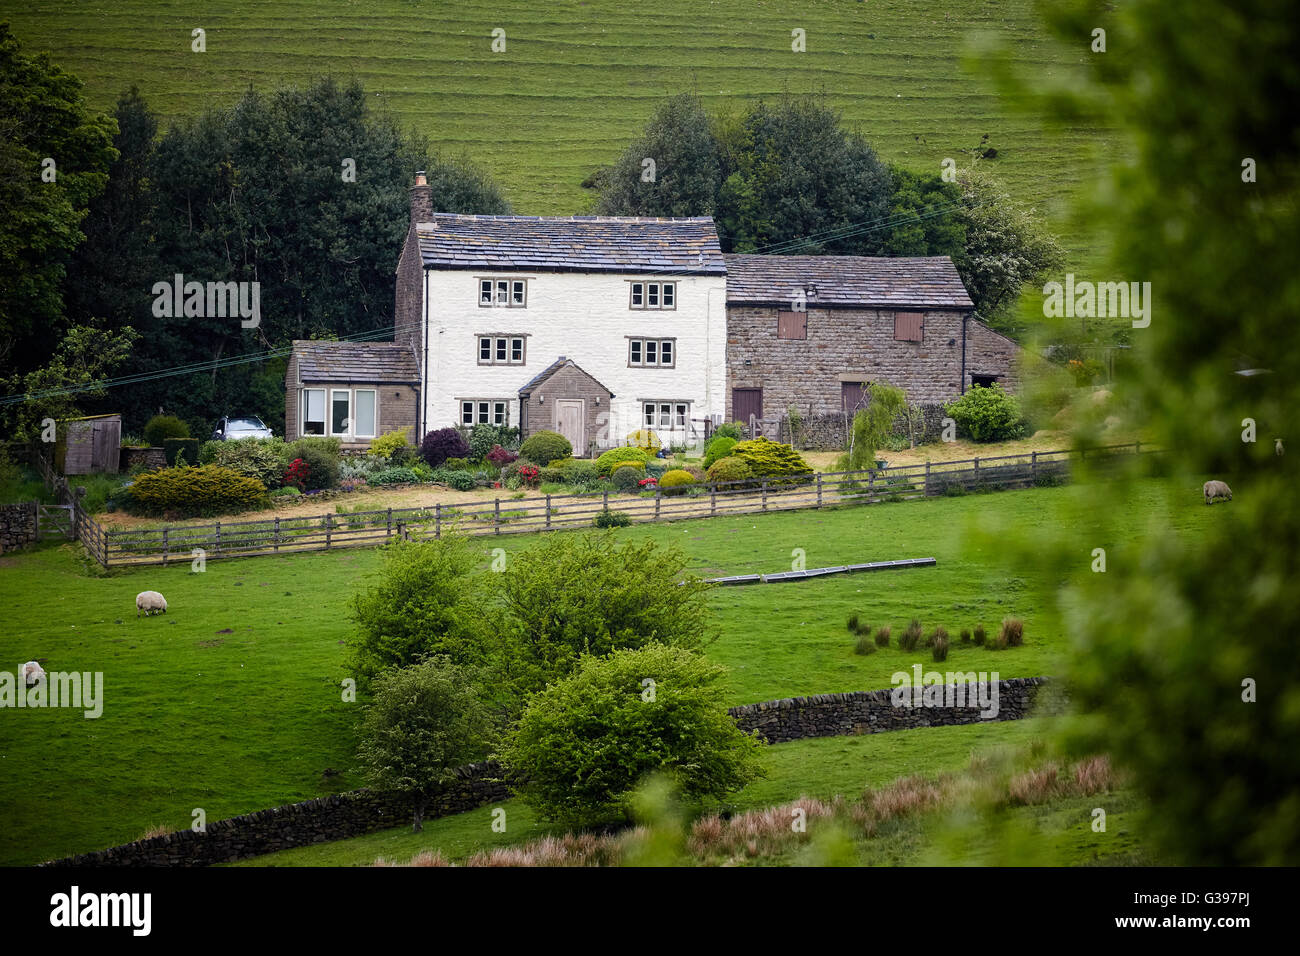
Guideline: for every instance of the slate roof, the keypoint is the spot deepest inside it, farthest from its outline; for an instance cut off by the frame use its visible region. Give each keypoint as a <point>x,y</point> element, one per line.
<point>554,367</point>
<point>571,244</point>
<point>379,362</point>
<point>846,281</point>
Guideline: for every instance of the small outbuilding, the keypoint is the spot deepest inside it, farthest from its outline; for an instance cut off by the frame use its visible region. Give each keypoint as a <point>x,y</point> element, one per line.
<point>90,445</point>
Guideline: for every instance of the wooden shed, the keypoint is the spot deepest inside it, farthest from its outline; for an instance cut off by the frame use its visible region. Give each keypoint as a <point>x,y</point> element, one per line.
<point>90,445</point>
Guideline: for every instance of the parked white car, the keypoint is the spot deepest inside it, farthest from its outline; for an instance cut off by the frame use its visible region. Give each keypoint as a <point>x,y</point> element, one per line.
<point>231,429</point>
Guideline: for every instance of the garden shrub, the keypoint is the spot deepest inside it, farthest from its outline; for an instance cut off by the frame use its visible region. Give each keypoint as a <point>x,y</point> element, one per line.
<point>544,447</point>
<point>322,457</point>
<point>462,480</point>
<point>388,445</point>
<point>987,414</point>
<point>530,476</point>
<point>203,491</point>
<point>455,464</point>
<point>777,462</point>
<point>646,440</point>
<point>162,427</point>
<point>676,482</point>
<point>208,451</point>
<point>441,444</point>
<point>731,472</point>
<point>585,742</point>
<point>265,459</point>
<point>499,457</point>
<point>733,430</point>
<point>627,476</point>
<point>288,491</point>
<point>551,475</point>
<point>394,476</point>
<point>617,456</point>
<point>612,519</point>
<point>719,448</point>
<point>187,449</point>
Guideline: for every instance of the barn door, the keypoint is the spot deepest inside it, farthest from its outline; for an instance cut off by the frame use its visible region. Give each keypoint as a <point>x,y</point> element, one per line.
<point>570,421</point>
<point>746,404</point>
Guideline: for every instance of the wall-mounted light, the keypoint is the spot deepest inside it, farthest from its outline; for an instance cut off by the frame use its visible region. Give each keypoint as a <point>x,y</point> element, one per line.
<point>541,399</point>
<point>597,399</point>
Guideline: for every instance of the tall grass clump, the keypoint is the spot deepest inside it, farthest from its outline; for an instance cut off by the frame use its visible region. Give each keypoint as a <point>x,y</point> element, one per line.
<point>1012,633</point>
<point>882,636</point>
<point>911,636</point>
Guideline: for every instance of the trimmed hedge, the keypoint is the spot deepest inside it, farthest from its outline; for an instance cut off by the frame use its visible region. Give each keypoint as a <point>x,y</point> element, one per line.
<point>772,460</point>
<point>718,448</point>
<point>545,447</point>
<point>195,492</point>
<point>615,456</point>
<point>731,469</point>
<point>676,482</point>
<point>163,427</point>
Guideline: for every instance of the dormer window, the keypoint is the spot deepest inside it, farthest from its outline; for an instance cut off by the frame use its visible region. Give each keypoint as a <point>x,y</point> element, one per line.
<point>503,293</point>
<point>653,295</point>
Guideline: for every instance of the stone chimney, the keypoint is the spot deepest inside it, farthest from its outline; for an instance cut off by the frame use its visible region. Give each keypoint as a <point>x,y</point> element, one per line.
<point>421,199</point>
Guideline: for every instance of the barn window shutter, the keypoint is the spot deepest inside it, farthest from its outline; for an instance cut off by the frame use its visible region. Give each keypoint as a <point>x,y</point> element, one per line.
<point>792,325</point>
<point>908,326</point>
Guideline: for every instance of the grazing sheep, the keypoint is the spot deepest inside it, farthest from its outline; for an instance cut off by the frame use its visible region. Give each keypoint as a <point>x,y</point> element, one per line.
<point>150,602</point>
<point>1277,447</point>
<point>33,673</point>
<point>1216,489</point>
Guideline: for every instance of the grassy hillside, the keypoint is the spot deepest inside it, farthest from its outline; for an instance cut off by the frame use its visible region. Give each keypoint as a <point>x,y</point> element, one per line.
<point>231,701</point>
<point>578,78</point>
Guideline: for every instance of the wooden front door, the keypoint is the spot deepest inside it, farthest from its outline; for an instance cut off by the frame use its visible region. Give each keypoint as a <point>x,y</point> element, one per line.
<point>571,422</point>
<point>746,404</point>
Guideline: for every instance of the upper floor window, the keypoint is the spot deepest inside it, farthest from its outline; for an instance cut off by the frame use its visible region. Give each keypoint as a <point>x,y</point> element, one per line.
<point>652,353</point>
<point>503,293</point>
<point>654,295</point>
<point>501,350</point>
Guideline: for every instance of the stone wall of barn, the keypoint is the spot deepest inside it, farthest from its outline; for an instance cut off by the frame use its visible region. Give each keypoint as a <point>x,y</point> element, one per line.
<point>857,345</point>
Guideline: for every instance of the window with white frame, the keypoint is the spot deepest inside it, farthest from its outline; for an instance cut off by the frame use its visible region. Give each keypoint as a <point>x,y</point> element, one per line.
<point>342,412</point>
<point>672,415</point>
<point>502,350</point>
<point>503,293</point>
<point>652,295</point>
<point>484,411</point>
<point>312,406</point>
<point>652,353</point>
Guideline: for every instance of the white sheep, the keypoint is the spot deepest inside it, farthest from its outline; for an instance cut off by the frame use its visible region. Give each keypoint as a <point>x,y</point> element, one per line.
<point>1216,489</point>
<point>149,602</point>
<point>33,673</point>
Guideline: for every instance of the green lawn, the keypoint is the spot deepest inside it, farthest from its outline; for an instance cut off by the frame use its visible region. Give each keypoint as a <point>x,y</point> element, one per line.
<point>231,701</point>
<point>579,78</point>
<point>819,768</point>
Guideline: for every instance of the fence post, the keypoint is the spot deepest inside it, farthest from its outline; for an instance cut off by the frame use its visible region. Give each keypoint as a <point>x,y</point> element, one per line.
<point>1033,466</point>
<point>217,549</point>
<point>388,525</point>
<point>1137,447</point>
<point>977,473</point>
<point>437,520</point>
<point>606,499</point>
<point>548,511</point>
<point>496,515</point>
<point>713,497</point>
<point>819,489</point>
<point>764,494</point>
<point>927,478</point>
<point>657,489</point>
<point>275,540</point>
<point>164,547</point>
<point>329,527</point>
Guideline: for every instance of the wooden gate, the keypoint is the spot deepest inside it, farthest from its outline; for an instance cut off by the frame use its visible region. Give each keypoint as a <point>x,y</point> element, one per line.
<point>54,521</point>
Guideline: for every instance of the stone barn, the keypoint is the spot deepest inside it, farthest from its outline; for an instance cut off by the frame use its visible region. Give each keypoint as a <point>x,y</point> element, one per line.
<point>810,333</point>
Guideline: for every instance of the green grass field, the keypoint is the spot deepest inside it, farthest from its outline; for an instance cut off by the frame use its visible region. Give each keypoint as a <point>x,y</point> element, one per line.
<point>231,701</point>
<point>579,78</point>
<point>820,768</point>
